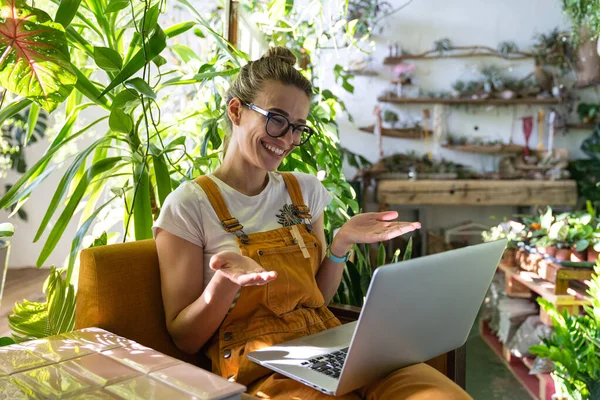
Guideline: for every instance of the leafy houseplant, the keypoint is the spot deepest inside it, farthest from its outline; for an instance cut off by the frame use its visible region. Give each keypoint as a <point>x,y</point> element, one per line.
<point>359,272</point>
<point>588,112</point>
<point>145,153</point>
<point>574,346</point>
<point>511,230</point>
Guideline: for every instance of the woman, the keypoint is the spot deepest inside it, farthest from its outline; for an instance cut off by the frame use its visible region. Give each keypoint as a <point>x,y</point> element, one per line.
<point>241,252</point>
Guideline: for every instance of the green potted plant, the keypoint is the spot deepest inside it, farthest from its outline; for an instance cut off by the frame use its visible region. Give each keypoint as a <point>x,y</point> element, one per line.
<point>391,118</point>
<point>574,347</point>
<point>543,241</point>
<point>511,230</point>
<point>588,113</point>
<point>580,235</point>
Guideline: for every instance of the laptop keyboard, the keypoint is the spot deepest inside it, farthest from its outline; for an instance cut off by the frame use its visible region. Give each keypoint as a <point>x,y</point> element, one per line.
<point>329,364</point>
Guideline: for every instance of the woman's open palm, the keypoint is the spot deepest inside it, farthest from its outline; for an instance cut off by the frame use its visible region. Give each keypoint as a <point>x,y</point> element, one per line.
<point>375,227</point>
<point>240,269</point>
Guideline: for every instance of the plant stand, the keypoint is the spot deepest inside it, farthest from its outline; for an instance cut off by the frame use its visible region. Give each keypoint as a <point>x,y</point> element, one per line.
<point>539,387</point>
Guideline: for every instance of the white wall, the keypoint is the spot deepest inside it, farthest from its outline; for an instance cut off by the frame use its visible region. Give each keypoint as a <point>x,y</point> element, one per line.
<point>464,22</point>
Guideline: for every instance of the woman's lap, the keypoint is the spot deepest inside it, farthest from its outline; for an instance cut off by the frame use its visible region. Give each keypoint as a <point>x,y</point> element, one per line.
<point>417,382</point>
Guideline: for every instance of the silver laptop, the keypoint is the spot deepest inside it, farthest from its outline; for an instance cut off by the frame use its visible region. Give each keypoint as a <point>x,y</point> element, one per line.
<point>414,311</point>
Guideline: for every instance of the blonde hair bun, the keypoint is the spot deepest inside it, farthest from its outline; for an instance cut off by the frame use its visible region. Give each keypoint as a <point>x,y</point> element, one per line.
<point>281,53</point>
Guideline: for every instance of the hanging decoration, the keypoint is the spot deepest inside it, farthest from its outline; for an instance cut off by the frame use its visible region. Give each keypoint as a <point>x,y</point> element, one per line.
<point>527,129</point>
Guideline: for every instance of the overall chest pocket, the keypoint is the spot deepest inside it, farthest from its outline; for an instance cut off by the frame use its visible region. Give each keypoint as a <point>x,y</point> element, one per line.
<point>295,284</point>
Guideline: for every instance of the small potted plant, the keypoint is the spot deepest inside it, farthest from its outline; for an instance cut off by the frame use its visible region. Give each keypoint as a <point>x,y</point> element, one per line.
<point>511,230</point>
<point>580,235</point>
<point>559,233</point>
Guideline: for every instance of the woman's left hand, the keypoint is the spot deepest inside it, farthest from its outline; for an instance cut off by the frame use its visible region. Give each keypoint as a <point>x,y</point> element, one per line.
<point>372,228</point>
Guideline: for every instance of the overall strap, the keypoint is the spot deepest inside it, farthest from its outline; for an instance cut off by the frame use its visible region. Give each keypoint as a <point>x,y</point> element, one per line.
<point>216,200</point>
<point>293,187</point>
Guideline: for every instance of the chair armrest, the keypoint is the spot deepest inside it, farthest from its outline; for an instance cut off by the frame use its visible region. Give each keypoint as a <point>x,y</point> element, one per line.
<point>344,313</point>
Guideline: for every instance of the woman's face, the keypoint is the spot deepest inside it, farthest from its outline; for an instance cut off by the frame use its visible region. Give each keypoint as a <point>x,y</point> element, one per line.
<point>255,145</point>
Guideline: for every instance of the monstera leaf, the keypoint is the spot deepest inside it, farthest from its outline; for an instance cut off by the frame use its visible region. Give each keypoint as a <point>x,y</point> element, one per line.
<point>34,58</point>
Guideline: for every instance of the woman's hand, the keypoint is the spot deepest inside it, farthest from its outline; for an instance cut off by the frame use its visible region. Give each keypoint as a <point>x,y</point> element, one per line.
<point>240,269</point>
<point>370,228</point>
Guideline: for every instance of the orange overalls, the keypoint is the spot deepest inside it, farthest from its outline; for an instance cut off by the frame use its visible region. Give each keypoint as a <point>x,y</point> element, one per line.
<point>290,307</point>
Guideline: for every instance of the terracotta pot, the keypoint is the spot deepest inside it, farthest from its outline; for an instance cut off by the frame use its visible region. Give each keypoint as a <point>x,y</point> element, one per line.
<point>563,254</point>
<point>578,256</point>
<point>550,250</point>
<point>592,255</point>
<point>509,257</point>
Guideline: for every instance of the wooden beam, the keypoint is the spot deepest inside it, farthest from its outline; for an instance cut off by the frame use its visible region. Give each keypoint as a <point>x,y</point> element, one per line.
<point>478,192</point>
<point>481,102</point>
<point>403,133</point>
<point>232,19</point>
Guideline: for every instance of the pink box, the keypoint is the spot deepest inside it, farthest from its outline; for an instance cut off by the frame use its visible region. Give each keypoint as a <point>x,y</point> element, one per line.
<point>52,382</point>
<point>196,381</point>
<point>99,369</point>
<point>142,359</point>
<point>146,388</point>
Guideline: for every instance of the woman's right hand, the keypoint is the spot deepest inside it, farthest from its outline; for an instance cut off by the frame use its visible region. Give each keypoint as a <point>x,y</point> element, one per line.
<point>240,269</point>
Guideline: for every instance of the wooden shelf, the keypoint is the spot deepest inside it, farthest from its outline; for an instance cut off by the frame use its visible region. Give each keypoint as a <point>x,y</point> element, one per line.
<point>539,387</point>
<point>366,72</point>
<point>487,149</point>
<point>579,126</point>
<point>481,102</point>
<point>408,133</point>
<point>471,51</point>
<point>477,192</point>
<point>575,297</point>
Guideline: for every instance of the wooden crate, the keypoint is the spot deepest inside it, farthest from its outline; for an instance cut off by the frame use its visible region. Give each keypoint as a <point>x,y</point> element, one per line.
<point>524,284</point>
<point>557,274</point>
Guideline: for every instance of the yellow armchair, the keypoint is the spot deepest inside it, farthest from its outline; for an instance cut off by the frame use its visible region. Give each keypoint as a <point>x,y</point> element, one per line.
<point>119,290</point>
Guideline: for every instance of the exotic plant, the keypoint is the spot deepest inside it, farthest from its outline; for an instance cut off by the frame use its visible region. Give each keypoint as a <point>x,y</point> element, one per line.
<point>583,13</point>
<point>574,347</point>
<point>136,80</point>
<point>555,49</point>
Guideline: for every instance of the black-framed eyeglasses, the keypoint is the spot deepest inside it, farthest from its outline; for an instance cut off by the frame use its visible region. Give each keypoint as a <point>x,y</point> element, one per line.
<point>278,125</point>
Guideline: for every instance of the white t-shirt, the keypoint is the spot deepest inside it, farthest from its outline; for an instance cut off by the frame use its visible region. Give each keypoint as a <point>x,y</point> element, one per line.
<point>187,212</point>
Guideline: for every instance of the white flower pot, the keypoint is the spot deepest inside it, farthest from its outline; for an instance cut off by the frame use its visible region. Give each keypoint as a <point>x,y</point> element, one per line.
<point>4,253</point>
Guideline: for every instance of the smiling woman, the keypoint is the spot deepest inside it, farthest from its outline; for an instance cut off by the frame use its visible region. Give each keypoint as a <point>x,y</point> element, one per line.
<point>242,252</point>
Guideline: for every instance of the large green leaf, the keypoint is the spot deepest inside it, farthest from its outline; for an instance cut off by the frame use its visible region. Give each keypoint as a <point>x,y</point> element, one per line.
<point>163,178</point>
<point>142,209</point>
<point>15,193</point>
<point>64,183</point>
<point>107,59</point>
<point>61,304</point>
<point>32,119</point>
<point>12,109</point>
<point>34,61</point>
<point>65,217</point>
<point>179,28</point>
<point>156,44</point>
<point>66,11</point>
<point>29,320</point>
